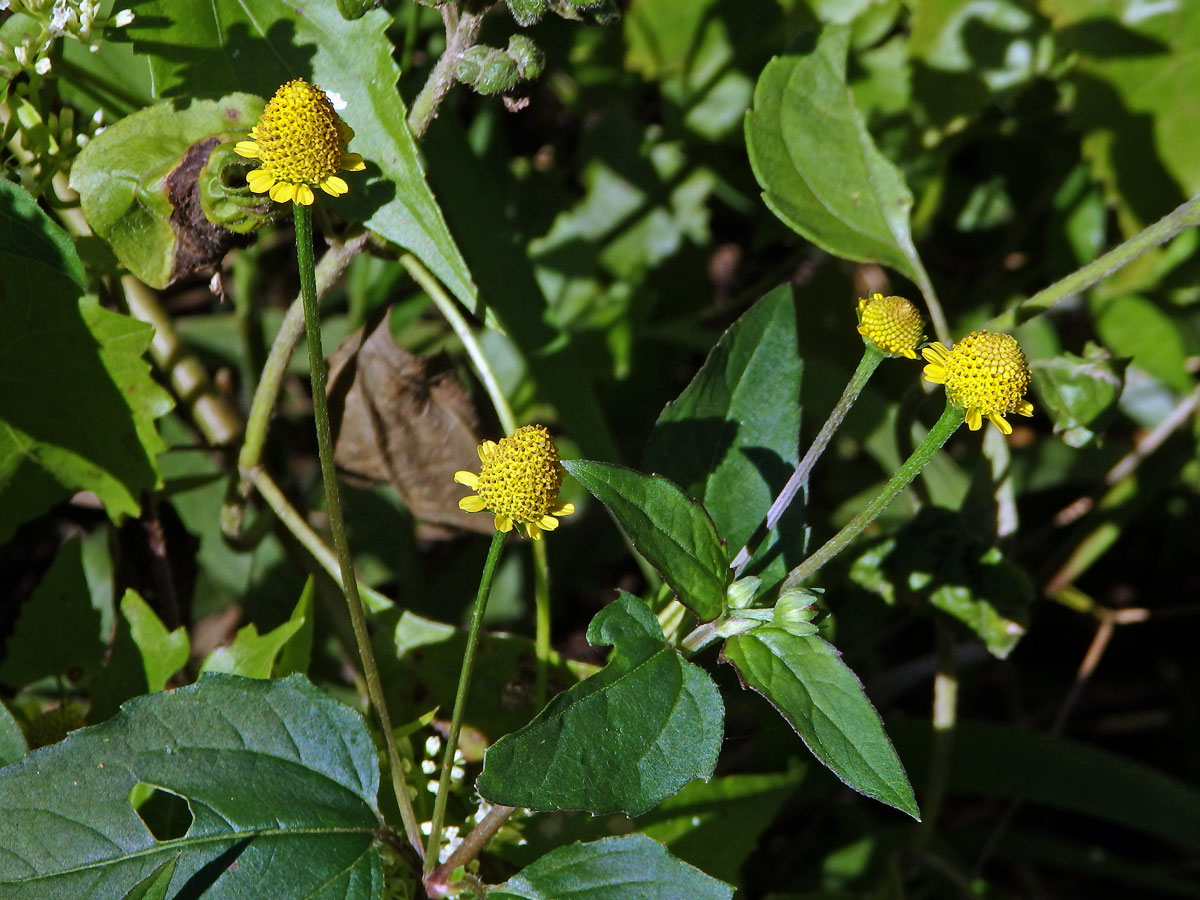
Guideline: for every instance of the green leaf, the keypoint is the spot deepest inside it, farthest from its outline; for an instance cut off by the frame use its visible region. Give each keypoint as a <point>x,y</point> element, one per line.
<point>58,630</point>
<point>280,779</point>
<point>730,439</point>
<point>210,49</point>
<point>296,653</point>
<point>1079,393</point>
<point>934,557</point>
<point>629,867</point>
<point>154,886</point>
<point>675,534</point>
<point>251,654</point>
<point>78,407</point>
<point>121,177</point>
<point>1136,327</point>
<point>163,652</point>
<point>12,739</point>
<point>624,739</point>
<point>805,679</point>
<point>817,164</point>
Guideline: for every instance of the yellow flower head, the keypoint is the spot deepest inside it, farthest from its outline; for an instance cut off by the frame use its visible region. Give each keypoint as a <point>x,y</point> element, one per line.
<point>301,142</point>
<point>518,481</point>
<point>985,374</point>
<point>891,323</point>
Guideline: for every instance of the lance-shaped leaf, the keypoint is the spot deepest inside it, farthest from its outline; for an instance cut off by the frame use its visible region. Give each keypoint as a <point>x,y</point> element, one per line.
<point>622,740</point>
<point>280,781</point>
<point>817,164</point>
<point>730,439</point>
<point>805,679</point>
<point>675,534</point>
<point>628,867</point>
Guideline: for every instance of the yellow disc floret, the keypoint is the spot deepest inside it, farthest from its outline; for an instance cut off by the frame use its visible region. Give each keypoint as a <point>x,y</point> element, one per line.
<point>518,481</point>
<point>300,142</point>
<point>891,323</point>
<point>985,374</point>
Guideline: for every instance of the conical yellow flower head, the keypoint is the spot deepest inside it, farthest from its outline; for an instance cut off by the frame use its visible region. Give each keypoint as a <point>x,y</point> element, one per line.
<point>301,142</point>
<point>518,481</point>
<point>891,323</point>
<point>985,374</point>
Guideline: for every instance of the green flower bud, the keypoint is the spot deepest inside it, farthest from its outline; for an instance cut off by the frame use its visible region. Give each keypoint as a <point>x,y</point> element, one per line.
<point>525,53</point>
<point>740,594</point>
<point>355,9</point>
<point>795,611</point>
<point>526,12</point>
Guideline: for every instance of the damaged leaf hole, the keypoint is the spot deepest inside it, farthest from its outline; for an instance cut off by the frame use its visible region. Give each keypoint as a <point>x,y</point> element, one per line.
<point>166,815</point>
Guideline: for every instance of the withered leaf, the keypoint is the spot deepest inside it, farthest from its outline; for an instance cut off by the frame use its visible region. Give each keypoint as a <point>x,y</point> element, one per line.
<point>406,420</point>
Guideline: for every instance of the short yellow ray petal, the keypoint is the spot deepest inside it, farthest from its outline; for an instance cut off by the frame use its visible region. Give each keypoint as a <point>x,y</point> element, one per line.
<point>282,192</point>
<point>470,479</point>
<point>472,503</point>
<point>304,194</point>
<point>352,162</point>
<point>547,523</point>
<point>935,374</point>
<point>1000,422</point>
<point>260,182</point>
<point>1025,408</point>
<point>563,509</point>
<point>248,149</point>
<point>503,523</point>
<point>974,420</point>
<point>533,531</point>
<point>334,186</point>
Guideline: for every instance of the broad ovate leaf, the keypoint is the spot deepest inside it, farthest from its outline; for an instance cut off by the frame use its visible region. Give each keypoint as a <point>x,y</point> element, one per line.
<point>805,679</point>
<point>817,164</point>
<point>280,781</point>
<point>627,867</point>
<point>675,534</point>
<point>622,740</point>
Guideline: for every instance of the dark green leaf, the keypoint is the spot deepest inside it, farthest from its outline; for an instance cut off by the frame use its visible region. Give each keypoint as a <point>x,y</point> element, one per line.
<point>280,780</point>
<point>12,739</point>
<point>210,49</point>
<point>818,166</point>
<point>805,679</point>
<point>154,886</point>
<point>122,175</point>
<point>1079,392</point>
<point>1134,326</point>
<point>674,533</point>
<point>730,439</point>
<point>630,867</point>
<point>624,739</point>
<point>297,651</point>
<point>163,652</point>
<point>78,405</point>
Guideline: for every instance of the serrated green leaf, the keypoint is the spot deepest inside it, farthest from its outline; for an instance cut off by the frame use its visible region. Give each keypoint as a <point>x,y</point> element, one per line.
<point>78,407</point>
<point>730,439</point>
<point>280,779</point>
<point>209,49</point>
<point>675,534</point>
<point>163,652</point>
<point>1079,392</point>
<point>817,164</point>
<point>12,739</point>
<point>58,629</point>
<point>805,679</point>
<point>629,867</point>
<point>624,739</point>
<point>121,177</point>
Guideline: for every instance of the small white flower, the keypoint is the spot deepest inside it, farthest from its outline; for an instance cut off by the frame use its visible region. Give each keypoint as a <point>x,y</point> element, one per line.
<point>42,66</point>
<point>98,117</point>
<point>336,99</point>
<point>21,52</point>
<point>60,18</point>
<point>452,840</point>
<point>433,744</point>
<point>123,18</point>
<point>428,766</point>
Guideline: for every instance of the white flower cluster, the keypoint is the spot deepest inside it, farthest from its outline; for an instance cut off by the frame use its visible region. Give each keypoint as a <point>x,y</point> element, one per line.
<point>44,22</point>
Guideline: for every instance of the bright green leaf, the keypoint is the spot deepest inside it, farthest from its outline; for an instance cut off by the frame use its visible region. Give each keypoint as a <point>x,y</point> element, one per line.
<point>675,534</point>
<point>1078,392</point>
<point>163,652</point>
<point>281,781</point>
<point>629,867</point>
<point>731,438</point>
<point>210,49</point>
<point>624,739</point>
<point>805,679</point>
<point>251,654</point>
<point>121,177</point>
<point>1134,326</point>
<point>296,653</point>
<point>78,407</point>
<point>817,164</point>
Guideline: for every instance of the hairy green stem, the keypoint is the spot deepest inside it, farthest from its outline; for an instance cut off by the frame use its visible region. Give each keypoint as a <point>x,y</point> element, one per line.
<point>871,358</point>
<point>951,418</point>
<point>460,701</point>
<point>541,622</point>
<point>461,31</point>
<point>1184,216</point>
<point>337,525</point>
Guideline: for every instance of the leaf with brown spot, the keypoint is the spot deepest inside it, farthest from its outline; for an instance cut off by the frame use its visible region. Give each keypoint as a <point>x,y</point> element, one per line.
<point>406,420</point>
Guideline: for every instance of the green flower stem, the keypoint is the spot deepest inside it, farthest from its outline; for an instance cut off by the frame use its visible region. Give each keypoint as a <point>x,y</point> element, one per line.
<point>541,632</point>
<point>337,526</point>
<point>309,539</point>
<point>460,701</point>
<point>437,884</point>
<point>951,418</point>
<point>941,753</point>
<point>1184,216</point>
<point>461,31</point>
<point>871,358</point>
